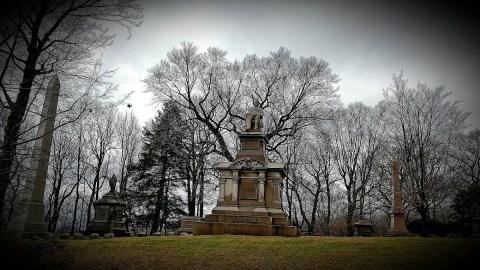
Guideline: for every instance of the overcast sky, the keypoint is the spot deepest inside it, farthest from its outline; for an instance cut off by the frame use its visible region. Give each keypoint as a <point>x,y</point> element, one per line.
<point>365,42</point>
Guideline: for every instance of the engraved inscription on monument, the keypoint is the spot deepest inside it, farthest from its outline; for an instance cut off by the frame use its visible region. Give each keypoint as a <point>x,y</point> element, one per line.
<point>244,220</point>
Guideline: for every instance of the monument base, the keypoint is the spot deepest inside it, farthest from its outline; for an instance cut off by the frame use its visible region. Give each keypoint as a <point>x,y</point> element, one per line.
<point>395,233</point>
<point>27,230</point>
<point>245,221</point>
<point>187,224</point>
<point>397,225</point>
<point>100,227</point>
<point>30,223</point>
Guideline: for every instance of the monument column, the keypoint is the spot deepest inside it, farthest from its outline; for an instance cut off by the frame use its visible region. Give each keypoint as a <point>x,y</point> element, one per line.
<point>221,192</point>
<point>397,218</point>
<point>30,222</point>
<point>276,190</point>
<point>261,187</point>
<point>235,180</point>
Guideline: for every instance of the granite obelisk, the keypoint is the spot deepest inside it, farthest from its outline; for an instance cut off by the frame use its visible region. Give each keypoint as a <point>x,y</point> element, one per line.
<point>397,215</point>
<point>30,222</point>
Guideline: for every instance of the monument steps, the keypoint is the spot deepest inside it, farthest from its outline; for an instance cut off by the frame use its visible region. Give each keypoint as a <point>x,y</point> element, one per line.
<point>220,228</point>
<point>249,213</point>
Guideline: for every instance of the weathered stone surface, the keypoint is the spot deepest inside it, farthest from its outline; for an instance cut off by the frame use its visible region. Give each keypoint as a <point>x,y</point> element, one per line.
<point>108,236</point>
<point>29,222</point>
<point>94,236</point>
<point>108,214</point>
<point>363,228</point>
<point>78,236</point>
<point>187,224</point>
<point>397,214</point>
<point>250,188</point>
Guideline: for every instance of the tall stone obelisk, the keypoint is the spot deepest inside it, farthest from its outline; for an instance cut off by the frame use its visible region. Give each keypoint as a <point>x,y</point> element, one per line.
<point>30,222</point>
<point>397,215</point>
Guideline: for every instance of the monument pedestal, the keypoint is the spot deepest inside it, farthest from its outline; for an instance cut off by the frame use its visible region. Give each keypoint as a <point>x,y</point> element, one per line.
<point>397,225</point>
<point>187,224</point>
<point>30,223</point>
<point>108,214</point>
<point>250,188</point>
<point>246,221</point>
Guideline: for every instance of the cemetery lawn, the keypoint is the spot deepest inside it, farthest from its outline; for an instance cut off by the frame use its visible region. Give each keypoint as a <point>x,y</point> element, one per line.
<point>244,252</point>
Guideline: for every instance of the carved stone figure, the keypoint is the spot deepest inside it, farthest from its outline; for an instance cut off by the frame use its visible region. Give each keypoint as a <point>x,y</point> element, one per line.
<point>112,182</point>
<point>254,117</point>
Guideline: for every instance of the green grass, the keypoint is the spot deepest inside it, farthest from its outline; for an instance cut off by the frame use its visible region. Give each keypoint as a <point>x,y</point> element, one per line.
<point>249,252</point>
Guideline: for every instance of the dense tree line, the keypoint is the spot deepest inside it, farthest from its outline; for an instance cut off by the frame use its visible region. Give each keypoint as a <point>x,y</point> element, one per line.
<point>338,157</point>
<point>42,38</point>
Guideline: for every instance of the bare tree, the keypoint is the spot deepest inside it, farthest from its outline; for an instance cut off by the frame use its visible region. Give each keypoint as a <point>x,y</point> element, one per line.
<point>101,143</point>
<point>217,92</point>
<point>424,124</point>
<point>79,173</point>
<point>61,185</point>
<point>466,158</point>
<point>356,141</point>
<point>197,146</point>
<point>38,38</point>
<point>321,168</point>
<point>129,143</point>
<point>313,183</point>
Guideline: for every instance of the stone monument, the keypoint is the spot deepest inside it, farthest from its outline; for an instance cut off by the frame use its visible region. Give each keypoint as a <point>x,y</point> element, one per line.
<point>397,214</point>
<point>29,223</point>
<point>187,223</point>
<point>250,188</point>
<point>363,228</point>
<point>108,213</point>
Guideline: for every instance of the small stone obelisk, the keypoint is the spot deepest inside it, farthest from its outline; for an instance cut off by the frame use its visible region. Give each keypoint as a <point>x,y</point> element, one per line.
<point>29,222</point>
<point>397,215</point>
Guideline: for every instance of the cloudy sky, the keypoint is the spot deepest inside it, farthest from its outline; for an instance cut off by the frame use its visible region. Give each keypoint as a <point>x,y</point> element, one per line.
<point>365,42</point>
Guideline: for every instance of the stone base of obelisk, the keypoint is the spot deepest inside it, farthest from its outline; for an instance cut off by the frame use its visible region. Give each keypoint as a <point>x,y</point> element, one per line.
<point>29,224</point>
<point>239,220</point>
<point>397,225</point>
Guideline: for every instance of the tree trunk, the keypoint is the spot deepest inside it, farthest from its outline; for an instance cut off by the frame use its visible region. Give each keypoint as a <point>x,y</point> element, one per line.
<point>160,193</point>
<point>14,121</point>
<point>202,186</point>
<point>423,211</point>
<point>349,219</point>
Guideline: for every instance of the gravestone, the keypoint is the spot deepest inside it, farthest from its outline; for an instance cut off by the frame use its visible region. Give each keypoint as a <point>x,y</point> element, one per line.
<point>397,214</point>
<point>363,228</point>
<point>29,223</point>
<point>250,188</point>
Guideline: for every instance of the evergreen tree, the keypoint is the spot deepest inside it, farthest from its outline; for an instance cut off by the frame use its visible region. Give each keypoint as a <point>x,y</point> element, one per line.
<point>466,207</point>
<point>157,172</point>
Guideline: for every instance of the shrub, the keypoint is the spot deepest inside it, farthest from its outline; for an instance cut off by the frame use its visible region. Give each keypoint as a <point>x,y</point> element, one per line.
<point>434,226</point>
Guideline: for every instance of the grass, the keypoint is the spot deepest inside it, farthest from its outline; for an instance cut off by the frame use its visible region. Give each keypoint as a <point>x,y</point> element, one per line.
<point>245,252</point>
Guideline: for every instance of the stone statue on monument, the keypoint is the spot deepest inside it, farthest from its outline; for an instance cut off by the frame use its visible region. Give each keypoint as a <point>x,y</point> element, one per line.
<point>254,116</point>
<point>112,182</point>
